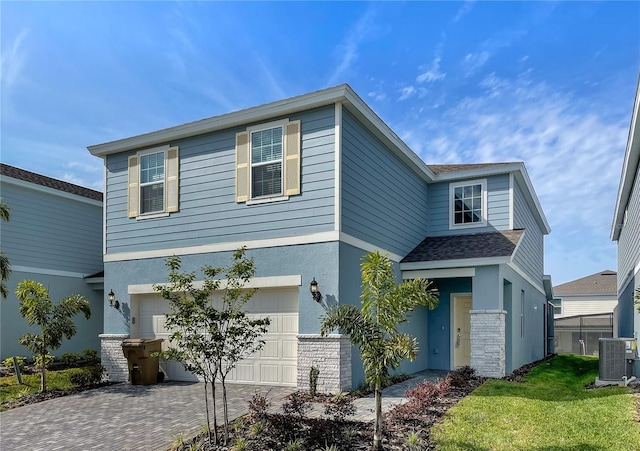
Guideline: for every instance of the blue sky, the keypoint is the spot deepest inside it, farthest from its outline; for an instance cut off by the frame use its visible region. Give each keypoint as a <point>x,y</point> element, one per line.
<point>547,83</point>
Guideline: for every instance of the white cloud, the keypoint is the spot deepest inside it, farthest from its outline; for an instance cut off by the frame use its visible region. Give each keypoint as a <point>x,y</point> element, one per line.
<point>378,96</point>
<point>463,11</point>
<point>348,48</point>
<point>572,149</point>
<point>474,61</point>
<point>433,73</point>
<point>13,60</point>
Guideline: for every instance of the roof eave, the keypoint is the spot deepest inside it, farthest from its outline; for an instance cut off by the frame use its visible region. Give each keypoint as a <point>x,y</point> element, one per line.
<point>629,168</point>
<point>457,263</point>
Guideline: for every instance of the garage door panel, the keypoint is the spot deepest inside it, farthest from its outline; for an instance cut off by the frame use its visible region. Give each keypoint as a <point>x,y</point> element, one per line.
<point>290,349</point>
<point>275,364</point>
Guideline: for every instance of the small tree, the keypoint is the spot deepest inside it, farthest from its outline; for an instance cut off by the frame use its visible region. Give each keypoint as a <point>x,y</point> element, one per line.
<point>210,341</point>
<point>236,335</point>
<point>5,266</point>
<point>374,327</point>
<point>637,298</point>
<point>55,321</point>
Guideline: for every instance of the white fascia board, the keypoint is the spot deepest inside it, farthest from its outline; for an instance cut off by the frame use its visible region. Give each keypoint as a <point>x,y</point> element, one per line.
<point>47,190</point>
<point>438,273</point>
<point>548,286</point>
<point>460,263</point>
<point>236,118</point>
<point>630,168</point>
<point>361,110</point>
<point>322,237</point>
<point>256,282</point>
<point>479,172</point>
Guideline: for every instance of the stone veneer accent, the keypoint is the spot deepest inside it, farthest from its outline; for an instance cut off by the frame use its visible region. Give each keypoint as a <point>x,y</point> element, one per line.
<point>331,355</point>
<point>113,358</point>
<point>488,342</point>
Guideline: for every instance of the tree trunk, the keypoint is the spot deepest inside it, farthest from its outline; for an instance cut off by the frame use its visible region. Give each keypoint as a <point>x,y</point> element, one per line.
<point>225,409</point>
<point>43,374</point>
<point>215,414</point>
<point>206,408</point>
<point>377,428</point>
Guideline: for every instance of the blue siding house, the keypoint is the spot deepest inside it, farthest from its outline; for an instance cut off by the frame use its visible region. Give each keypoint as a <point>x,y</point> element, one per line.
<point>54,237</point>
<point>310,184</point>
<point>626,232</point>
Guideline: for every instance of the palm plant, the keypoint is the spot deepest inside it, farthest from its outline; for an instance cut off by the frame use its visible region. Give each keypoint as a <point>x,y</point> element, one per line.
<point>5,267</point>
<point>374,327</point>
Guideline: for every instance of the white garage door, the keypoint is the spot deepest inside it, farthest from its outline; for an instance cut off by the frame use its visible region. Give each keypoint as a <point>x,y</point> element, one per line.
<point>275,364</point>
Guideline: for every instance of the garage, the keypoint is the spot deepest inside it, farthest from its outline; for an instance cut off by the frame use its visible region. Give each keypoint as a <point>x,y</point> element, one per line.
<point>275,364</point>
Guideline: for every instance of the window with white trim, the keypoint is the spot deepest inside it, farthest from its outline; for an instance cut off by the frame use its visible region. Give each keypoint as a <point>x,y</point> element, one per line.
<point>268,162</point>
<point>522,313</point>
<point>468,204</point>
<point>557,306</point>
<point>153,182</point>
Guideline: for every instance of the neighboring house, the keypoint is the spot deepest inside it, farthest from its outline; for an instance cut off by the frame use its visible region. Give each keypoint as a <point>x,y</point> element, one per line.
<point>583,312</point>
<point>310,184</point>
<point>626,232</point>
<point>54,236</point>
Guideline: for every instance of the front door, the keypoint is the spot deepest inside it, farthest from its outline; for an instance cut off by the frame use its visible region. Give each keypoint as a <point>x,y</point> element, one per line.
<point>461,330</point>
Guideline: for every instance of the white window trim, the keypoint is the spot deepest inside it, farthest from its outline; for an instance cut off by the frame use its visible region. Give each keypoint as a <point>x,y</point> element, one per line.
<point>277,196</point>
<point>452,187</point>
<point>152,214</point>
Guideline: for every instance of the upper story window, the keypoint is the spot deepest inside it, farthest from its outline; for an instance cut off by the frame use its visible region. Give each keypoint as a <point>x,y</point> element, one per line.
<point>557,306</point>
<point>153,182</point>
<point>268,162</point>
<point>468,204</point>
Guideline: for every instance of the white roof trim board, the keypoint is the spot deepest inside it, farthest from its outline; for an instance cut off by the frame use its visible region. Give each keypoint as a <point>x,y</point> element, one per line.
<point>629,168</point>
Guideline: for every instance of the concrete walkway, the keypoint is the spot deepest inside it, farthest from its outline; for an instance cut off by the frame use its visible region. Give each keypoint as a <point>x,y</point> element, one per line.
<point>135,417</point>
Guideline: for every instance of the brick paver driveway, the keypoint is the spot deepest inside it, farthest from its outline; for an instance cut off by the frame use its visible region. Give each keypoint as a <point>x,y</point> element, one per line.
<point>119,417</point>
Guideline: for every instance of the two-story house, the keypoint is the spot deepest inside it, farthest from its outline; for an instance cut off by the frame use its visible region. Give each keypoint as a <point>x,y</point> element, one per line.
<point>54,236</point>
<point>626,232</point>
<point>310,184</point>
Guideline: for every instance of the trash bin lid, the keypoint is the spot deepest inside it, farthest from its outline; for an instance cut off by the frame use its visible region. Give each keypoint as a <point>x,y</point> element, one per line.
<point>133,342</point>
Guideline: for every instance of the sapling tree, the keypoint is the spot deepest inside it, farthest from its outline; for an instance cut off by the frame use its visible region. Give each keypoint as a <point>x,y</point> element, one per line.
<point>210,331</point>
<point>55,320</point>
<point>374,327</point>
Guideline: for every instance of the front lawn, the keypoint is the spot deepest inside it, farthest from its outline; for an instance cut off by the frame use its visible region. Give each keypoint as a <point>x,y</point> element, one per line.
<point>551,410</point>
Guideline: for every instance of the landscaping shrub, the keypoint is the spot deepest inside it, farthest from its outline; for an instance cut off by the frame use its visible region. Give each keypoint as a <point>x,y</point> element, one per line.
<point>296,405</point>
<point>313,380</point>
<point>48,360</point>
<point>340,407</point>
<point>91,357</point>
<point>8,362</point>
<point>461,376</point>
<point>70,359</point>
<point>87,376</point>
<point>258,406</point>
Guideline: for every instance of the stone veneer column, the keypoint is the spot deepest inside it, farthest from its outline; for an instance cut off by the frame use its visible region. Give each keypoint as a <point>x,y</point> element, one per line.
<point>113,358</point>
<point>331,355</point>
<point>488,342</point>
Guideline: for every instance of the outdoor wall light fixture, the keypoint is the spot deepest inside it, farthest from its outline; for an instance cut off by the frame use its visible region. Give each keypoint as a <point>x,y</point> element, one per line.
<point>313,287</point>
<point>113,302</point>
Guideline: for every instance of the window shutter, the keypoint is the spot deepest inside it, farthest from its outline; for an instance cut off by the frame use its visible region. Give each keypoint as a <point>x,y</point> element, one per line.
<point>242,167</point>
<point>133,187</point>
<point>292,159</point>
<point>172,179</point>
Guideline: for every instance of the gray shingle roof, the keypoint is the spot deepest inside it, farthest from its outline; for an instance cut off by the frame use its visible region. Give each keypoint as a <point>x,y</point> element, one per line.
<point>473,245</point>
<point>603,282</point>
<point>43,180</point>
<point>447,168</point>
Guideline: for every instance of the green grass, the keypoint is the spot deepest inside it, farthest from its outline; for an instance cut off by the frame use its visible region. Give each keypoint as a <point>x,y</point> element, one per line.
<point>551,410</point>
<point>56,380</point>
